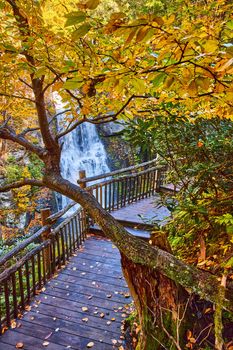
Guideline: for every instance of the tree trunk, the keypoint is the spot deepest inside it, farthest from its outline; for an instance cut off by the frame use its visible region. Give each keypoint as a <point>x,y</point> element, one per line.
<point>159,303</point>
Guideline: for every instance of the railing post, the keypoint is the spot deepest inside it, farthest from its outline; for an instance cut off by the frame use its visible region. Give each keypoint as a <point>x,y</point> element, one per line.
<point>158,179</point>
<point>82,176</point>
<point>45,213</point>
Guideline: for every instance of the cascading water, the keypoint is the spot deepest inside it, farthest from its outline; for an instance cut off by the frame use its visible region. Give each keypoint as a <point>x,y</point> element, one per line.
<point>82,149</point>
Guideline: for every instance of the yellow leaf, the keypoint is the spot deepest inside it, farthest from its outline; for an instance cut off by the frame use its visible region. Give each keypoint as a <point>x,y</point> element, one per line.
<point>90,345</point>
<point>92,4</point>
<point>211,45</point>
<point>192,88</point>
<point>225,65</point>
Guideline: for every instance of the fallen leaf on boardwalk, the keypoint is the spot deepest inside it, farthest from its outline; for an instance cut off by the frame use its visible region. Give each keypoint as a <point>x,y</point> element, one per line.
<point>27,307</point>
<point>74,268</point>
<point>90,345</point>
<point>90,297</point>
<point>45,343</point>
<point>127,295</point>
<point>113,319</point>
<point>32,318</point>
<point>102,315</point>
<point>109,322</point>
<point>85,319</point>
<point>114,341</point>
<point>84,308</point>
<point>57,329</point>
<point>109,295</point>
<point>13,324</point>
<point>49,335</point>
<point>54,318</point>
<point>19,345</point>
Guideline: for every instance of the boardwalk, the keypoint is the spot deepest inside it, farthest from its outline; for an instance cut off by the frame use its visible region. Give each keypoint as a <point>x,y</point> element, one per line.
<point>143,211</point>
<point>83,306</point>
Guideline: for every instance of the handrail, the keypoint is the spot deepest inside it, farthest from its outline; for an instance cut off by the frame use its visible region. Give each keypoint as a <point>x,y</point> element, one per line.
<point>23,245</point>
<point>123,177</point>
<point>6,273</point>
<point>54,217</point>
<point>116,172</point>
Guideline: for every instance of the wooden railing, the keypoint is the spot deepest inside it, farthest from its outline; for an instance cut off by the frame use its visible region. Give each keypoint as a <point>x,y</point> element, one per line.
<point>24,273</point>
<point>117,190</point>
<point>26,268</point>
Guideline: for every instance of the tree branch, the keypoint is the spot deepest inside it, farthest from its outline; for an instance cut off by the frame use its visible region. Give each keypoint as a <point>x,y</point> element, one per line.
<point>17,96</point>
<point>21,183</point>
<point>101,119</point>
<point>8,134</point>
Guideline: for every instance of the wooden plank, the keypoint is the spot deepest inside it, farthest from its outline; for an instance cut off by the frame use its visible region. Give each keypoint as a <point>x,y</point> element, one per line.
<point>87,291</point>
<point>90,283</point>
<point>60,337</point>
<point>79,269</point>
<point>81,329</point>
<point>106,302</point>
<point>11,337</point>
<point>75,317</point>
<point>4,346</point>
<point>77,306</point>
<point>112,281</point>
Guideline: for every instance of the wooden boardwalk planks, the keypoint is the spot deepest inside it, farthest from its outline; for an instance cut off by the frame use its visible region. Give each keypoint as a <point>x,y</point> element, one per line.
<point>67,314</point>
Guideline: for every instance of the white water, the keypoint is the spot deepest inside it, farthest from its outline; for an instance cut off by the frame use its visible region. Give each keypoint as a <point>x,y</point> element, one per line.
<point>82,150</point>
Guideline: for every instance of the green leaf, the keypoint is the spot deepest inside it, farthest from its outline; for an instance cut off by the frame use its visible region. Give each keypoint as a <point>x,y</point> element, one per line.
<point>40,71</point>
<point>159,79</point>
<point>81,31</point>
<point>72,84</point>
<point>75,18</point>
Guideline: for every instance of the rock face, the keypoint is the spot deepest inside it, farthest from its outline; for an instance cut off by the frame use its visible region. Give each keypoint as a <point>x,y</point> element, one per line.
<point>119,152</point>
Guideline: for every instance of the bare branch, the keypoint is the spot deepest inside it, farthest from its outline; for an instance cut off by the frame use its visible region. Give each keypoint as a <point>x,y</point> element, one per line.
<point>101,119</point>
<point>24,82</point>
<point>18,184</point>
<point>75,97</point>
<point>9,134</point>
<point>17,96</point>
<point>51,83</point>
<point>98,120</point>
<point>26,131</point>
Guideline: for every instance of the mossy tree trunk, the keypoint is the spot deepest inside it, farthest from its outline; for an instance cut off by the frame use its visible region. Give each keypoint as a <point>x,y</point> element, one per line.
<point>161,305</point>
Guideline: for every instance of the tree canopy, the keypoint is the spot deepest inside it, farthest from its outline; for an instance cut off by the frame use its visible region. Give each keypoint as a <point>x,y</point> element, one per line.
<point>107,61</point>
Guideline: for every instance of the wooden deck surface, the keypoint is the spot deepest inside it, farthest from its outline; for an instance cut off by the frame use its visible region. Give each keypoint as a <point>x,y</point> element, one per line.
<point>143,211</point>
<point>82,306</point>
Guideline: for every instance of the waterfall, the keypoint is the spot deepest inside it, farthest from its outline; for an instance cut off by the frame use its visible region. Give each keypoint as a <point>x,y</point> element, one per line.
<point>82,149</point>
